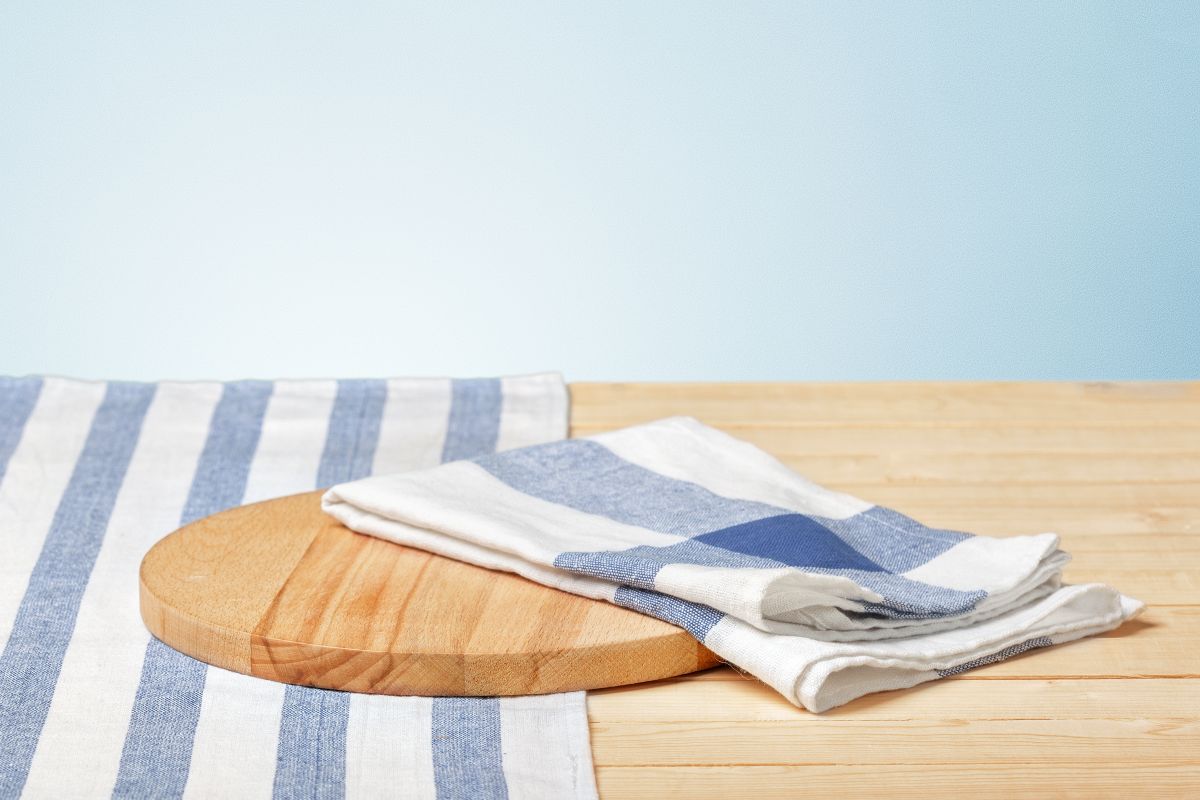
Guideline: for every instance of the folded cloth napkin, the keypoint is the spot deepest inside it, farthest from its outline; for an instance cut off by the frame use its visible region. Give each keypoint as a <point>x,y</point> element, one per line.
<point>822,595</point>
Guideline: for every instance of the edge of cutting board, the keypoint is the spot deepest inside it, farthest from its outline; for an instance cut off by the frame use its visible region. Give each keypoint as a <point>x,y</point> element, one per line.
<point>281,591</point>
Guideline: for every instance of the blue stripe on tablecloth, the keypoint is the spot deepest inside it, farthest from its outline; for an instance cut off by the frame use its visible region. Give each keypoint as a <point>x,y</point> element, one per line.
<point>17,399</point>
<point>45,621</point>
<point>474,426</point>
<point>310,761</point>
<point>162,727</point>
<point>353,432</point>
<point>311,755</point>
<point>467,756</point>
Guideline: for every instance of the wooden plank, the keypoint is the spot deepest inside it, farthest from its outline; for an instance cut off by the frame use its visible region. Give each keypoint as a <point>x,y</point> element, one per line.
<point>937,459</point>
<point>1119,495</point>
<point>914,436</point>
<point>1066,520</point>
<point>995,468</point>
<point>718,403</point>
<point>1149,549</point>
<point>1084,778</point>
<point>1055,699</point>
<point>947,740</point>
<point>1177,582</point>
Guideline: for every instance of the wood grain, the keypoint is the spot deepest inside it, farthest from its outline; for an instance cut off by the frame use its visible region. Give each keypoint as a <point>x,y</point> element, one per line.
<point>282,591</point>
<point>1114,468</point>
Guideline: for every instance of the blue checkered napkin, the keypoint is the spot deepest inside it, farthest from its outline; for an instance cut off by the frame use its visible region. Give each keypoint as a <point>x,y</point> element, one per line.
<point>821,594</point>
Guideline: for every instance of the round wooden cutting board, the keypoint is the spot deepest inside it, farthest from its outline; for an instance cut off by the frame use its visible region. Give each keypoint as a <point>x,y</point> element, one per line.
<point>282,591</point>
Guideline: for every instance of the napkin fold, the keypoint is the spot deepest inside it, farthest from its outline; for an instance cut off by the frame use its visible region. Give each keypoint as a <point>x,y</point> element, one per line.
<point>822,595</point>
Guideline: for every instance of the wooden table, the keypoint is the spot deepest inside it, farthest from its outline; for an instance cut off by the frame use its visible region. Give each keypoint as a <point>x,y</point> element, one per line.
<point>1113,468</point>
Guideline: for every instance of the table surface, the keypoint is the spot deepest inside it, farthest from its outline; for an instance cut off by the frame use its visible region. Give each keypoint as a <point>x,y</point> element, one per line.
<point>1114,468</point>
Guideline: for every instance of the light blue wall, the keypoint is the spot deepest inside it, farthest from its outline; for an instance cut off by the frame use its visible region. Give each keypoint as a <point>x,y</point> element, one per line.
<point>618,190</point>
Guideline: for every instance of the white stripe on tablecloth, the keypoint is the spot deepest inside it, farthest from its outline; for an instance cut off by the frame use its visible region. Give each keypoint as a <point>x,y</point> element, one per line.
<point>534,411</point>
<point>292,439</point>
<point>547,753</point>
<point>37,475</point>
<point>80,745</point>
<point>238,730</point>
<point>233,754</point>
<point>413,431</point>
<point>389,737</point>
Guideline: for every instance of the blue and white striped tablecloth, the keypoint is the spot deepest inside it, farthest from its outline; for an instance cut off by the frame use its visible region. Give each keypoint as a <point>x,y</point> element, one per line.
<point>92,474</point>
